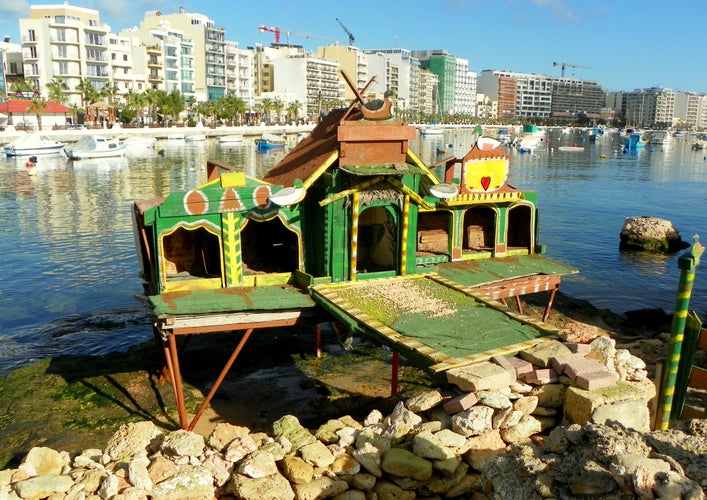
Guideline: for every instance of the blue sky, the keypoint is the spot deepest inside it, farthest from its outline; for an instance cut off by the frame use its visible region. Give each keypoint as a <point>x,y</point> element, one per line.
<point>623,45</point>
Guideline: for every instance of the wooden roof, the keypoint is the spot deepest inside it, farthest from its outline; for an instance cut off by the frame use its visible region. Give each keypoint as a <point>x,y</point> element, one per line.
<point>307,158</point>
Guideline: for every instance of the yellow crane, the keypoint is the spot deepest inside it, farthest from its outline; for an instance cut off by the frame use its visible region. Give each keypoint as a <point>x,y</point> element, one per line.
<point>564,65</point>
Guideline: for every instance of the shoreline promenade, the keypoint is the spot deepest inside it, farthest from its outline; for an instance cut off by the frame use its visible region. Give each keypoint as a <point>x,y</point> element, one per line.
<point>73,135</point>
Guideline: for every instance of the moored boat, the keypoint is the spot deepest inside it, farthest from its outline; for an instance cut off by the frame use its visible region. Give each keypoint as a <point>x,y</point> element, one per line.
<point>32,145</point>
<point>95,146</point>
<point>230,139</point>
<point>570,148</point>
<point>269,141</point>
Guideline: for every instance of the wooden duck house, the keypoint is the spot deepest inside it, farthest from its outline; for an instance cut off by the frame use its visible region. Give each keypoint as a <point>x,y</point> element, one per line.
<point>352,202</point>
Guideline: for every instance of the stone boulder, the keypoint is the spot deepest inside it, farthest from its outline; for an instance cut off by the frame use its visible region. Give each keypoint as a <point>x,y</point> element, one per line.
<point>651,234</point>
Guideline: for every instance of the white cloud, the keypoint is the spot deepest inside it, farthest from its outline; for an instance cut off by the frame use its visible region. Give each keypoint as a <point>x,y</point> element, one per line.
<point>14,9</point>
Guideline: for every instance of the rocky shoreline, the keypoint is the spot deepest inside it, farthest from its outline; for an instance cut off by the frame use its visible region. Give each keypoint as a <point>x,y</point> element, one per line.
<point>606,461</point>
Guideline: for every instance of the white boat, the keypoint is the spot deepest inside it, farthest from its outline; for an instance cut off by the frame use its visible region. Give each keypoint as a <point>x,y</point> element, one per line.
<point>95,146</point>
<point>32,145</point>
<point>660,137</point>
<point>427,131</point>
<point>137,142</point>
<point>195,138</point>
<point>570,148</point>
<point>230,139</point>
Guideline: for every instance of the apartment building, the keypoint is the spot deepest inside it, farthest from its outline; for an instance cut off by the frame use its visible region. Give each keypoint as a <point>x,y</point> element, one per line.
<point>67,42</point>
<point>444,65</point>
<point>239,73</point>
<point>301,77</point>
<point>351,60</point>
<point>572,97</point>
<point>649,107</point>
<point>465,95</point>
<point>209,50</point>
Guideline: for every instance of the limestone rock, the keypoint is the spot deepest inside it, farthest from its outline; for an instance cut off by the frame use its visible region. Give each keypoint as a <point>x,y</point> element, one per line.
<point>404,463</point>
<point>133,438</point>
<point>651,234</point>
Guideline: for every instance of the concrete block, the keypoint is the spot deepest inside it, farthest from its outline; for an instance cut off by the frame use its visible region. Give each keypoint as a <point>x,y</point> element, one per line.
<point>626,403</point>
<point>485,376</point>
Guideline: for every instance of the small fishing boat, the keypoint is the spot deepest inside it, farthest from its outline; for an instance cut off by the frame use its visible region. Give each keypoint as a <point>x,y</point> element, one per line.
<point>32,145</point>
<point>570,148</point>
<point>195,138</point>
<point>268,142</point>
<point>431,131</point>
<point>230,139</point>
<point>95,146</point>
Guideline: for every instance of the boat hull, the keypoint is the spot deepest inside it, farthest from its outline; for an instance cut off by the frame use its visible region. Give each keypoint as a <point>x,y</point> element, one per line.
<point>10,151</point>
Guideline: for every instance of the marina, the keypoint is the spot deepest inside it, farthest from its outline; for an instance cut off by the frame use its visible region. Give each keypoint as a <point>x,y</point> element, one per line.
<point>71,261</point>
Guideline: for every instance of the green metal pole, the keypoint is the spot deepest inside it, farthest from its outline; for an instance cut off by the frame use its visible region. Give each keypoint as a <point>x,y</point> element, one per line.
<point>687,264</point>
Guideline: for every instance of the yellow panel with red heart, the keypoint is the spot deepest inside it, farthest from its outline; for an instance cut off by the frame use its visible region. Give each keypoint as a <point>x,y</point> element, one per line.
<point>485,175</point>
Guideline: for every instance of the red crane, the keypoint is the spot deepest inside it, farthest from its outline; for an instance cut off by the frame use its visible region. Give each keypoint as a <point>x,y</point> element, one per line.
<point>275,30</point>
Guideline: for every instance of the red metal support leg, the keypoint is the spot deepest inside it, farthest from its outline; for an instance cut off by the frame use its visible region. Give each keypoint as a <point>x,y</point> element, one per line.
<point>548,307</point>
<point>318,340</point>
<point>220,378</point>
<point>394,374</point>
<point>173,360</point>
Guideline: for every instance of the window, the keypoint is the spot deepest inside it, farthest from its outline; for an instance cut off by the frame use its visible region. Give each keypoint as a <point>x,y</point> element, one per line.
<point>63,68</point>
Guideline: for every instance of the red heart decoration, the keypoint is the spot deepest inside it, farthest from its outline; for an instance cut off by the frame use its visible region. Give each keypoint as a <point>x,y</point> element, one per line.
<point>485,182</point>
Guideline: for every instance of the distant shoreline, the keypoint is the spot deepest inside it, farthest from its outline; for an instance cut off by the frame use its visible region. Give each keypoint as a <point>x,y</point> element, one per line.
<point>73,135</point>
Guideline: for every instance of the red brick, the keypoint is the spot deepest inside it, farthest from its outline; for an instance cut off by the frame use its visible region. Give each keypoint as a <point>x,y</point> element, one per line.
<point>560,362</point>
<point>522,366</point>
<point>541,376</point>
<point>506,364</point>
<point>595,380</point>
<point>582,366</point>
<point>460,403</point>
<point>579,348</point>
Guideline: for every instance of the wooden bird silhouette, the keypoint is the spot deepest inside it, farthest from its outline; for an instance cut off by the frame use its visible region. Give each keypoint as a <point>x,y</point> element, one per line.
<point>378,109</point>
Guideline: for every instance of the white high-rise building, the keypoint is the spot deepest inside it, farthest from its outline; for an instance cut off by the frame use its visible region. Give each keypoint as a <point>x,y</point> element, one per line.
<point>67,42</point>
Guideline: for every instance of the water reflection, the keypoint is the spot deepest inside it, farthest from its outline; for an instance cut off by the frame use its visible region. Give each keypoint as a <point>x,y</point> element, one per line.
<point>69,265</point>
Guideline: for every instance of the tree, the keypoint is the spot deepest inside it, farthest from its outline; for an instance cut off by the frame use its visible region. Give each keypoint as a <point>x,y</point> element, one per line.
<point>278,106</point>
<point>134,105</point>
<point>89,94</point>
<point>293,110</point>
<point>172,104</point>
<point>232,107</point>
<point>110,92</point>
<point>267,105</point>
<point>22,87</point>
<point>154,98</point>
<point>37,106</point>
<point>57,90</point>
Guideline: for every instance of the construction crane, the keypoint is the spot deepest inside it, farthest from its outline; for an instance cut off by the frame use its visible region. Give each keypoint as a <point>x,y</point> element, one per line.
<point>351,37</point>
<point>564,65</point>
<point>288,33</point>
<point>275,30</point>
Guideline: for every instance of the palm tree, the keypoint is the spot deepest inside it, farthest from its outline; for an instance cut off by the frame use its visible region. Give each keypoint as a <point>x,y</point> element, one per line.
<point>57,89</point>
<point>134,105</point>
<point>37,106</point>
<point>154,100</point>
<point>172,104</point>
<point>293,110</point>
<point>278,106</point>
<point>89,94</point>
<point>232,107</point>
<point>267,105</point>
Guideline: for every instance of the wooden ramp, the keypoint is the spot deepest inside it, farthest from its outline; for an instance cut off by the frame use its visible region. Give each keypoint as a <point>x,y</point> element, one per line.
<point>436,323</point>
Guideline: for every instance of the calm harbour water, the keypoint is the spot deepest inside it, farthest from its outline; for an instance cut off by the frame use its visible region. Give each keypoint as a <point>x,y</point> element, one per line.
<point>70,281</point>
